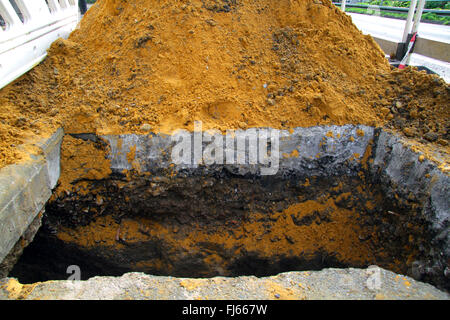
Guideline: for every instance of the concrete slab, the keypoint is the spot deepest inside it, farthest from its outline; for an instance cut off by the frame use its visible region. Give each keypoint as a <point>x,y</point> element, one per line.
<point>372,283</point>
<point>24,190</point>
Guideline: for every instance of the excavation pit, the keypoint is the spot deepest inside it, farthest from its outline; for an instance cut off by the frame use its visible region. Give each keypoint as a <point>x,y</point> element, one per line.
<point>350,196</point>
<point>208,226</point>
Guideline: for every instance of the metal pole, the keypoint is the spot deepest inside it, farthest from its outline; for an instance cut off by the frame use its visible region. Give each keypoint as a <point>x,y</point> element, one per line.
<point>409,19</point>
<point>343,4</point>
<point>418,16</point>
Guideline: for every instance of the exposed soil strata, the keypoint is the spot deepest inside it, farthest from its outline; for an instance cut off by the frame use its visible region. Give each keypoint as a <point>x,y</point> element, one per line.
<point>343,196</point>
<point>219,225</point>
<point>421,193</point>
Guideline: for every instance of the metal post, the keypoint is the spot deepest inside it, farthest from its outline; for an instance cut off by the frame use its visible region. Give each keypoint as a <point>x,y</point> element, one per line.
<point>418,16</point>
<point>409,19</point>
<point>343,4</point>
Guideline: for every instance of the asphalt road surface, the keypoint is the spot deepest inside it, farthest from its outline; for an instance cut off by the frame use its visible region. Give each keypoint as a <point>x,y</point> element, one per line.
<point>392,29</point>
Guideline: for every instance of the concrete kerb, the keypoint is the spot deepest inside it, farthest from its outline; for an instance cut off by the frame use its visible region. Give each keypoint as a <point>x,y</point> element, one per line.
<point>25,189</point>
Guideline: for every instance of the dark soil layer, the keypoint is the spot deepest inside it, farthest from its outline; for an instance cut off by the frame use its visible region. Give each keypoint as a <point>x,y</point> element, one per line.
<point>200,225</point>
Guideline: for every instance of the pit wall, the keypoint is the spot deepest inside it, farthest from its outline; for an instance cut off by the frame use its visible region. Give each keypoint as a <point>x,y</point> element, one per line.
<point>411,181</point>
<point>314,151</point>
<point>417,186</point>
<point>24,191</point>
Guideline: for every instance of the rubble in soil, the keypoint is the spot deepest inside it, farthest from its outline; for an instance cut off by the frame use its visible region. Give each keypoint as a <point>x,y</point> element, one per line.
<point>141,66</point>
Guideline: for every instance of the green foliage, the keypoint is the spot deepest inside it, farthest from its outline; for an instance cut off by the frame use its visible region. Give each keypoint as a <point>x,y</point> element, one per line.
<point>405,4</point>
<point>436,4</point>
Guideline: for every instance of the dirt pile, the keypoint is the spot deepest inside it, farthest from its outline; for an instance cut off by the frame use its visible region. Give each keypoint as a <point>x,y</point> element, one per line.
<point>148,65</point>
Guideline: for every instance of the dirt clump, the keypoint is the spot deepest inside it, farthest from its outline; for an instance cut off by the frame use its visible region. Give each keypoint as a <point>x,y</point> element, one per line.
<point>231,64</point>
<point>81,161</point>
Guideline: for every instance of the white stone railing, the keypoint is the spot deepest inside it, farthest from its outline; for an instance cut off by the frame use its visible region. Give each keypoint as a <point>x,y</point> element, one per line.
<point>27,29</point>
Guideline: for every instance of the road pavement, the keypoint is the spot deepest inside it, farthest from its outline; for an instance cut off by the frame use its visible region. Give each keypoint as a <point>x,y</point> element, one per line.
<point>392,29</point>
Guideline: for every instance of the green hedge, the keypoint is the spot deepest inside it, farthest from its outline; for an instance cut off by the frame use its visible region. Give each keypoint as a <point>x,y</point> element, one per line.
<point>405,4</point>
